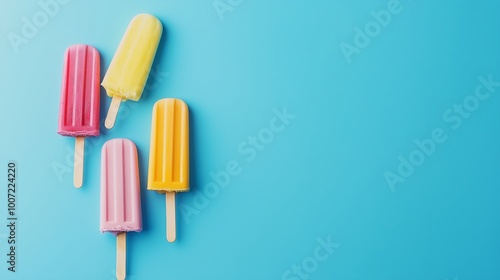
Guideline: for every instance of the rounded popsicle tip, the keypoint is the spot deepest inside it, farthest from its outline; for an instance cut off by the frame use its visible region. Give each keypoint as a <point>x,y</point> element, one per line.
<point>119,141</point>
<point>109,123</point>
<point>77,184</point>
<point>171,239</point>
<point>147,17</point>
<point>80,47</point>
<point>173,101</point>
<point>153,24</point>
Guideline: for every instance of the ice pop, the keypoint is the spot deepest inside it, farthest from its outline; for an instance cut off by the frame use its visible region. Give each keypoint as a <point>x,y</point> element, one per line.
<point>129,70</point>
<point>169,154</point>
<point>120,195</point>
<point>80,99</point>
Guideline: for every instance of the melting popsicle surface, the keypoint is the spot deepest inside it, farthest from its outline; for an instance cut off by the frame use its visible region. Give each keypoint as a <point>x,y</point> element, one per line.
<point>169,151</point>
<point>129,70</point>
<point>80,92</point>
<point>120,188</point>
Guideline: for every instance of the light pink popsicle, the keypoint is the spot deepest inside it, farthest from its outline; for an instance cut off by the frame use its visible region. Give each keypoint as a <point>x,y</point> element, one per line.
<point>120,188</point>
<point>80,92</point>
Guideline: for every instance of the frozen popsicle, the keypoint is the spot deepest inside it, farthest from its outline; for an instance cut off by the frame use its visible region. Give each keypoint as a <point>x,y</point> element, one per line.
<point>120,195</point>
<point>129,70</point>
<point>80,99</point>
<point>169,154</point>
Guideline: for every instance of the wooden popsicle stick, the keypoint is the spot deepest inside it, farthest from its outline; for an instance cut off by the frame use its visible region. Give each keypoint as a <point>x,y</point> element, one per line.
<point>171,230</point>
<point>113,111</point>
<point>78,168</point>
<point>121,256</point>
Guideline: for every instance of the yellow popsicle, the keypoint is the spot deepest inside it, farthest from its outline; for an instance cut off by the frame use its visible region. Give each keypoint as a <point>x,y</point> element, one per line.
<point>129,70</point>
<point>169,154</point>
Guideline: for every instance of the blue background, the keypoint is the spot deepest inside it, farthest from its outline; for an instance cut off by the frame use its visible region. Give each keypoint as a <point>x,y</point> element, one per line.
<point>322,176</point>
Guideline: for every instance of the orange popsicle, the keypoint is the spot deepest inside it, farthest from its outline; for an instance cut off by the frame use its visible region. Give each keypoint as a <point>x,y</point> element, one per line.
<point>169,154</point>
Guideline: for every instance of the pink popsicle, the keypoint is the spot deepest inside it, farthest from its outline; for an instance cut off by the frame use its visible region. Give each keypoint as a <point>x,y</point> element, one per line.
<point>120,190</point>
<point>80,99</point>
<point>120,196</point>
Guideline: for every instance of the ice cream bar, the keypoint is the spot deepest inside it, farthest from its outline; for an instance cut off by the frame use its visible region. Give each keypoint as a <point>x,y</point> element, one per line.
<point>169,150</point>
<point>120,195</point>
<point>120,191</point>
<point>79,107</point>
<point>129,70</point>
<point>80,100</point>
<point>169,154</point>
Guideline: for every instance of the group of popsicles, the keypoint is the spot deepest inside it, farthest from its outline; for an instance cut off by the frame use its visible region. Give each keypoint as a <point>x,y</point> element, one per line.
<point>79,117</point>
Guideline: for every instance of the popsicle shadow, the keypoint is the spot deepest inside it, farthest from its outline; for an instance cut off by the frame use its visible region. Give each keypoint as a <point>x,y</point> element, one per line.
<point>105,100</point>
<point>134,238</point>
<point>182,198</point>
<point>143,164</point>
